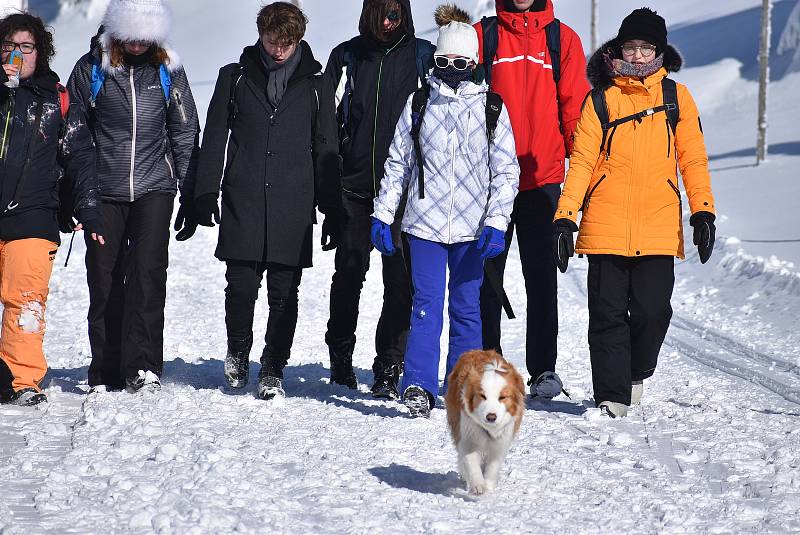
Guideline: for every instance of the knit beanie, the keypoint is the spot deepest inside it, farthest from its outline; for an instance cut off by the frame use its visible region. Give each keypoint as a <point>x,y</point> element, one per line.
<point>138,20</point>
<point>644,24</point>
<point>458,38</point>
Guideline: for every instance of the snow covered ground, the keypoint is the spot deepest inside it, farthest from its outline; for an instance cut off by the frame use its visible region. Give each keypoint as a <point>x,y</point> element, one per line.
<point>714,448</point>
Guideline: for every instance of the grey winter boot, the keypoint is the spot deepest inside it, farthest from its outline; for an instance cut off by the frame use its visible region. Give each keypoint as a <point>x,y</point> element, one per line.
<point>237,362</point>
<point>613,409</point>
<point>637,389</point>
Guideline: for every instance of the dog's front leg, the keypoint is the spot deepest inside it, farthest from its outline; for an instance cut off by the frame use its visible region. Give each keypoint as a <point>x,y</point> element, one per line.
<point>491,472</point>
<point>469,466</point>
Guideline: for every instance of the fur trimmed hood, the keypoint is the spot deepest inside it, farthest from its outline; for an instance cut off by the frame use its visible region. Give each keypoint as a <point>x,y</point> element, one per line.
<point>600,77</point>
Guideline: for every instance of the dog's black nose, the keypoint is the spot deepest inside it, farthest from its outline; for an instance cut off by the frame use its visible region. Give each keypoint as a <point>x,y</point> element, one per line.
<point>491,417</point>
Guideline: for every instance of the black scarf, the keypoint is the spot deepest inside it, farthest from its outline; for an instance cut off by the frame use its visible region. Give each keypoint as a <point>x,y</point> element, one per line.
<point>278,74</point>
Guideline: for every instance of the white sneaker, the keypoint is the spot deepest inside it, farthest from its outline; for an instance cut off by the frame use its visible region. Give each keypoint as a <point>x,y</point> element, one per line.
<point>637,389</point>
<point>548,385</point>
<point>612,409</point>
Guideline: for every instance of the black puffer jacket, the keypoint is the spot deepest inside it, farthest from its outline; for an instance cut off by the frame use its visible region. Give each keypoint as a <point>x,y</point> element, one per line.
<point>37,201</point>
<point>142,145</point>
<point>280,162</point>
<point>384,78</point>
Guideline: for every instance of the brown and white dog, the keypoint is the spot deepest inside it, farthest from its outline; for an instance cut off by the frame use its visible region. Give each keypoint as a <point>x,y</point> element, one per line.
<point>485,403</point>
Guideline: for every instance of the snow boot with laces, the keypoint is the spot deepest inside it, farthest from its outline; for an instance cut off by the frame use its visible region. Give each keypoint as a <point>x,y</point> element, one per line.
<point>237,362</point>
<point>386,379</point>
<point>270,387</point>
<point>418,402</point>
<point>547,385</point>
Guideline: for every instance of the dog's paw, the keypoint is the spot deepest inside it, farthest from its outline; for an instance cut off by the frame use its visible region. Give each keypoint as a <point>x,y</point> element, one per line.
<point>478,489</point>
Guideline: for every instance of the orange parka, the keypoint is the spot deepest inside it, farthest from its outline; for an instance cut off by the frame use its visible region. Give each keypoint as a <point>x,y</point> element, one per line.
<point>629,194</point>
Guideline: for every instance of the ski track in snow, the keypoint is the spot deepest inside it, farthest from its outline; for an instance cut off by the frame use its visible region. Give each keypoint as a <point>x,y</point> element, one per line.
<point>707,451</point>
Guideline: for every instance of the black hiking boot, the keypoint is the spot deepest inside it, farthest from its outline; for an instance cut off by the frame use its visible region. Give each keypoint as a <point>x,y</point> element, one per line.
<point>237,362</point>
<point>342,371</point>
<point>270,387</point>
<point>418,402</point>
<point>386,379</point>
<point>27,397</point>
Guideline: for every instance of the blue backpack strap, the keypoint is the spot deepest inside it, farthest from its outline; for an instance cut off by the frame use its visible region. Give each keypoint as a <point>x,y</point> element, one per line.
<point>98,79</point>
<point>553,33</point>
<point>166,82</point>
<point>490,38</point>
<point>424,56</point>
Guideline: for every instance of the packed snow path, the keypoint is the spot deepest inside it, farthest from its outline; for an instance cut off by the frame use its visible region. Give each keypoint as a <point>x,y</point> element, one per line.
<point>708,450</point>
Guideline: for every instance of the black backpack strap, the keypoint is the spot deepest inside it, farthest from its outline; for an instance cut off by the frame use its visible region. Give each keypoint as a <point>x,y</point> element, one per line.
<point>349,63</point>
<point>598,95</point>
<point>494,105</point>
<point>490,37</point>
<point>424,56</point>
<point>37,122</point>
<point>418,104</point>
<point>233,108</point>
<point>553,33</point>
<point>670,91</point>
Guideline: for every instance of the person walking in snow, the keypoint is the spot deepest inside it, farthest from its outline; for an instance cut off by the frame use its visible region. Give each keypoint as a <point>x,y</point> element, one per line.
<point>271,112</point>
<point>536,63</point>
<point>372,75</point>
<point>460,176</point>
<point>44,133</point>
<point>144,122</point>
<point>636,126</point>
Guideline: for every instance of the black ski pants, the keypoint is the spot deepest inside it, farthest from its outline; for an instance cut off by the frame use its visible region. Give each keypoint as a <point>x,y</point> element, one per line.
<point>283,282</point>
<point>351,265</point>
<point>629,314</point>
<point>532,218</point>
<point>127,280</point>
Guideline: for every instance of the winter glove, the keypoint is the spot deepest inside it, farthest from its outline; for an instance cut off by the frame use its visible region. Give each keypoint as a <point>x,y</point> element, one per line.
<point>491,243</point>
<point>93,225</point>
<point>381,236</point>
<point>66,223</point>
<point>331,232</point>
<point>704,233</point>
<point>563,242</point>
<point>206,207</point>
<point>185,222</point>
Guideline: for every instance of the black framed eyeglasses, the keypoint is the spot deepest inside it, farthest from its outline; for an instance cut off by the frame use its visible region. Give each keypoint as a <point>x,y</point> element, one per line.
<point>25,48</point>
<point>646,50</point>
<point>459,64</point>
<point>393,15</point>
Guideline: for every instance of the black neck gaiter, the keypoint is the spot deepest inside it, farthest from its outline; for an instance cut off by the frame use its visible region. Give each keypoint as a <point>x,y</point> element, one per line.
<point>133,60</point>
<point>451,76</point>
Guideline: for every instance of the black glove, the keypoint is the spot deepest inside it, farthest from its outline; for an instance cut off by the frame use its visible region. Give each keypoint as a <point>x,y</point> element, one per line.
<point>704,233</point>
<point>563,242</point>
<point>93,225</point>
<point>185,222</point>
<point>331,232</point>
<point>66,223</point>
<point>206,207</point>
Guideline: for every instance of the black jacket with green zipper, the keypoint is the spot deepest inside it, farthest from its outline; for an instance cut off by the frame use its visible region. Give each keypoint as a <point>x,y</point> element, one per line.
<point>384,77</point>
<point>63,146</point>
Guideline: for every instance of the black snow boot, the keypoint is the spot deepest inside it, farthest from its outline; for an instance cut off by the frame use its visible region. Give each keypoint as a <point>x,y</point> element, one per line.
<point>387,376</point>
<point>270,387</point>
<point>342,370</point>
<point>237,362</point>
<point>27,397</point>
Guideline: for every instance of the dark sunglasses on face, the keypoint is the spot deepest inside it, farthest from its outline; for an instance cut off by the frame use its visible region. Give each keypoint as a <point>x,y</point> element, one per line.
<point>393,15</point>
<point>459,64</point>
<point>25,48</point>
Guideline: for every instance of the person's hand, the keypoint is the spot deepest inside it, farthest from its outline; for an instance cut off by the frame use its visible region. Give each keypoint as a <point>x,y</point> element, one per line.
<point>11,69</point>
<point>331,232</point>
<point>491,243</point>
<point>381,236</point>
<point>704,234</point>
<point>563,242</point>
<point>206,208</point>
<point>185,222</point>
<point>94,228</point>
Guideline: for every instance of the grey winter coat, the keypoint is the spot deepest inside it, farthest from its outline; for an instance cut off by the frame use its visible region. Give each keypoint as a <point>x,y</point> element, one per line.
<point>143,145</point>
<point>469,184</point>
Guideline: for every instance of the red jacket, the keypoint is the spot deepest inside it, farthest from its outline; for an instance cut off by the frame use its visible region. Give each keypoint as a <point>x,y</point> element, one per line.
<point>522,74</point>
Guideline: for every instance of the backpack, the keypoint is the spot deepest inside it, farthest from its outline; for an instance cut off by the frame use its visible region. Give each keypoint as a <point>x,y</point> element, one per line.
<point>494,106</point>
<point>423,57</point>
<point>490,39</point>
<point>670,108</point>
<point>99,78</point>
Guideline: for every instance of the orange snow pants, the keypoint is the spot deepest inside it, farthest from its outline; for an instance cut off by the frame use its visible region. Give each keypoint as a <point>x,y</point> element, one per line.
<point>25,268</point>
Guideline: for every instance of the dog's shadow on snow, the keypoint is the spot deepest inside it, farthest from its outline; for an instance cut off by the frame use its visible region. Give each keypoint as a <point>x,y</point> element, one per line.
<point>404,477</point>
<point>303,381</point>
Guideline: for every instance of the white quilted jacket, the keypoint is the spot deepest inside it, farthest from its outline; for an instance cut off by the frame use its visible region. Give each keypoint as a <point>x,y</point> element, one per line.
<point>468,184</point>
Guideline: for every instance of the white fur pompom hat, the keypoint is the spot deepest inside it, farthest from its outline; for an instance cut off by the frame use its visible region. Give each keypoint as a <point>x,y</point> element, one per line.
<point>138,20</point>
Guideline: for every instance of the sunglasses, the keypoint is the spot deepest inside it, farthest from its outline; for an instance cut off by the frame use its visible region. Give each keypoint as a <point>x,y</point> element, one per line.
<point>393,15</point>
<point>459,64</point>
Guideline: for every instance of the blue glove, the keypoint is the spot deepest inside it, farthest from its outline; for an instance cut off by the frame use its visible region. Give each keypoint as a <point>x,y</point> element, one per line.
<point>491,243</point>
<point>381,236</point>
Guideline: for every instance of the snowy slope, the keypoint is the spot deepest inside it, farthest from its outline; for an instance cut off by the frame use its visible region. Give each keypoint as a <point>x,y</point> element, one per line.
<point>715,447</point>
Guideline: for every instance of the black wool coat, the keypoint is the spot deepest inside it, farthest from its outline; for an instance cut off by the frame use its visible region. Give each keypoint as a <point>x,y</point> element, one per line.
<point>279,165</point>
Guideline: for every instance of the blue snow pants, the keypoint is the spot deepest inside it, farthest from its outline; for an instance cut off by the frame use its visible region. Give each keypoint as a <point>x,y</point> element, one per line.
<point>429,263</point>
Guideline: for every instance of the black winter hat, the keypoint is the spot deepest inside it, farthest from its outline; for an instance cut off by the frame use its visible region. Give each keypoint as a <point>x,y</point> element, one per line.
<point>644,24</point>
